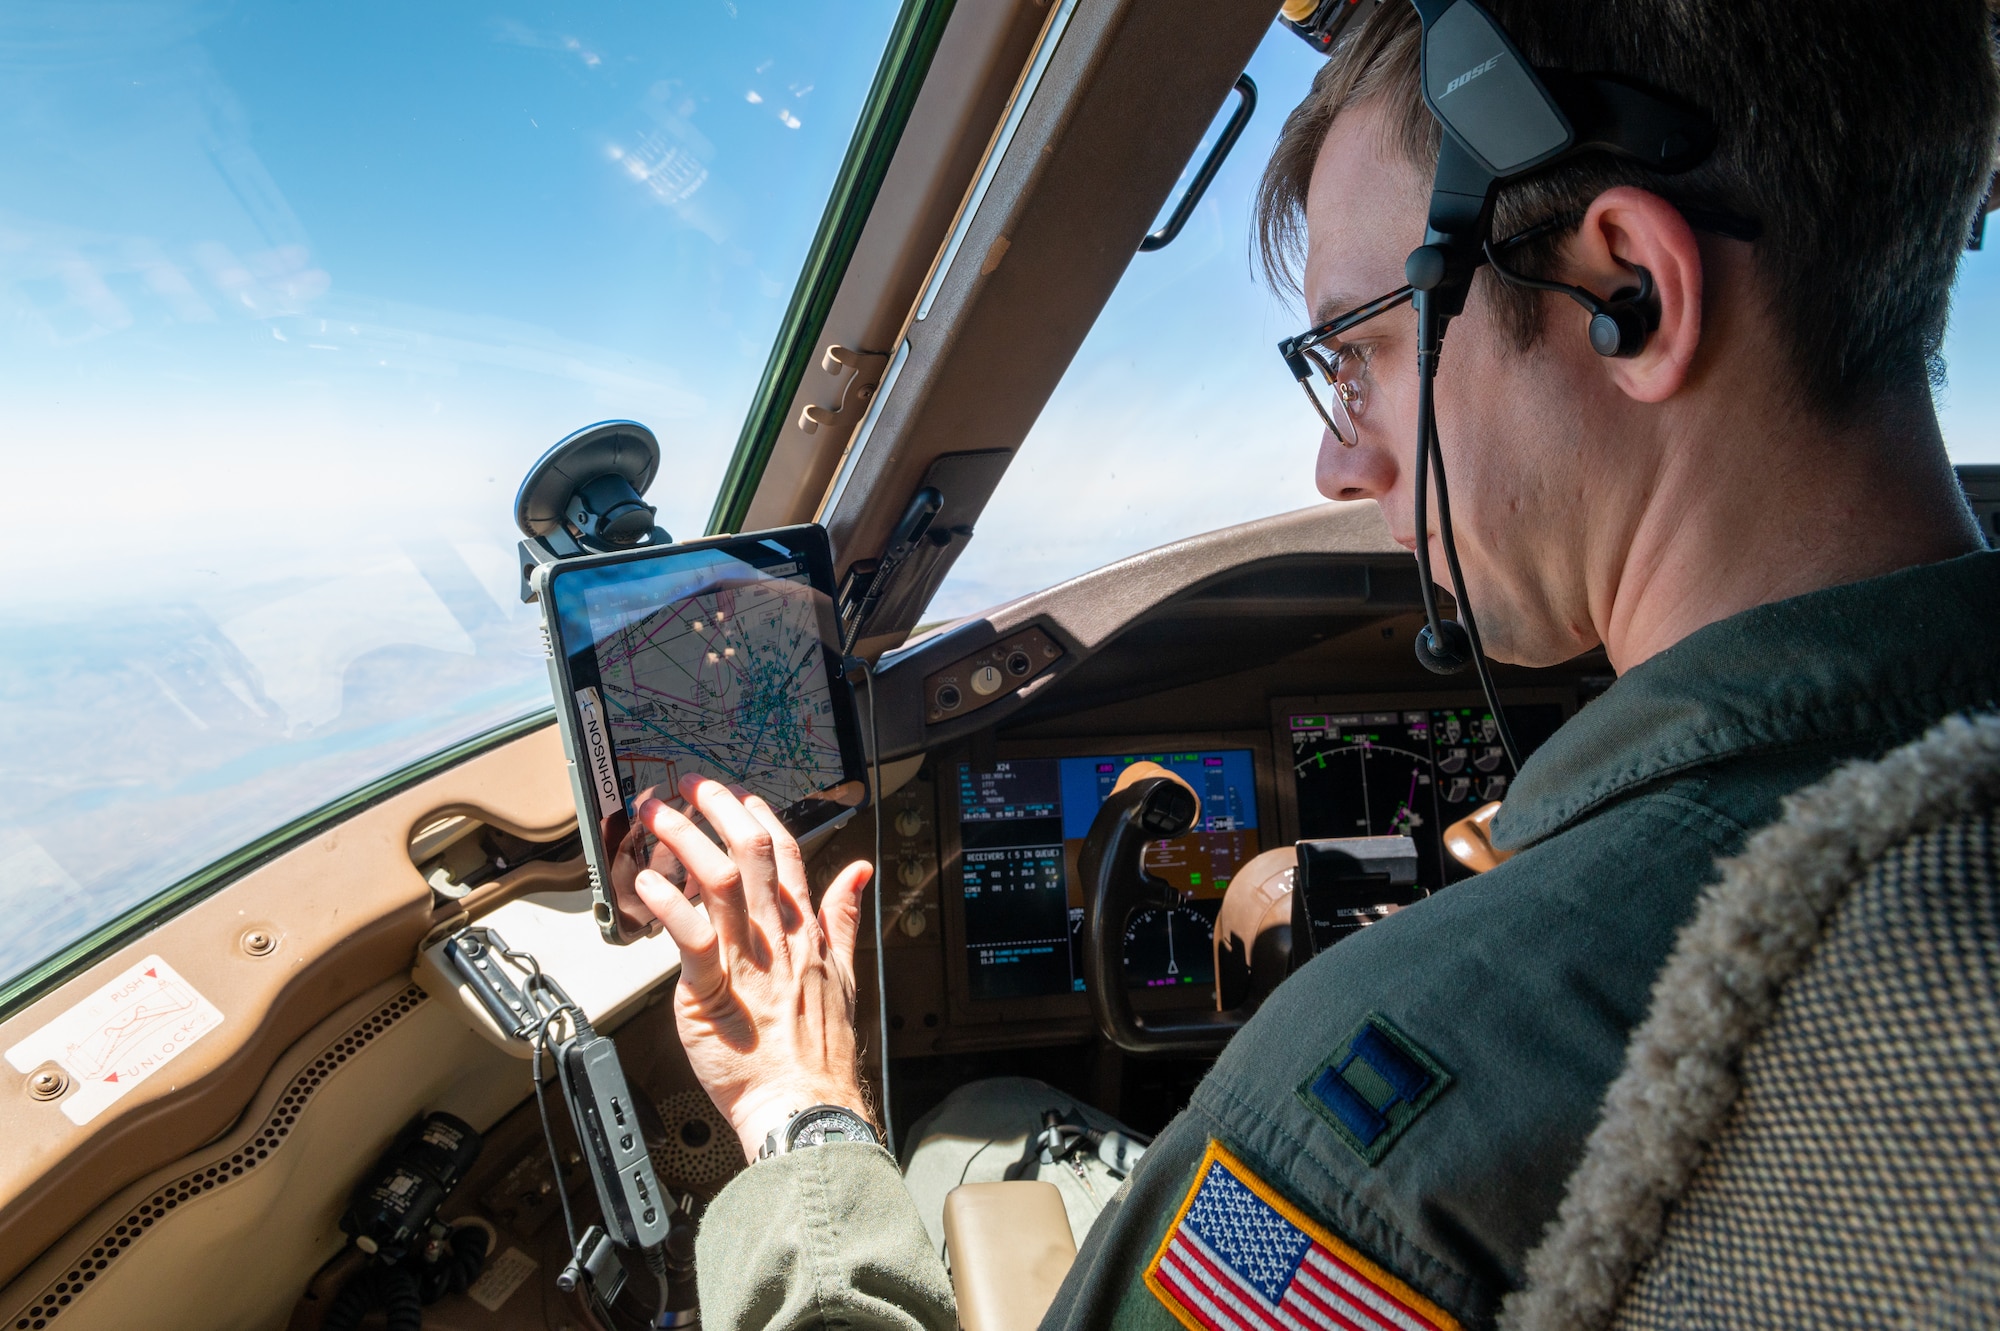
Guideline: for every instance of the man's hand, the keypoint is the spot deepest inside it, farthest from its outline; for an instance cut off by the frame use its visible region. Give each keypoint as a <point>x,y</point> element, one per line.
<point>765,1003</point>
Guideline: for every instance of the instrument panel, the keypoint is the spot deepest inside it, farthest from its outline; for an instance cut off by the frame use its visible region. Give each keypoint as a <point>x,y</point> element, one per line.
<point>1022,823</point>
<point>982,848</point>
<point>1402,766</point>
<point>1013,822</point>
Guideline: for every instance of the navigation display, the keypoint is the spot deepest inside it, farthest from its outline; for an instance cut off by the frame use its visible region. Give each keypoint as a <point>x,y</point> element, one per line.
<point>1022,824</point>
<point>1405,773</point>
<point>712,661</point>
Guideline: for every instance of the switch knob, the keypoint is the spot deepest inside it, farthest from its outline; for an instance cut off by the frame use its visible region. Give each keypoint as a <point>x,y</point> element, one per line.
<point>986,680</point>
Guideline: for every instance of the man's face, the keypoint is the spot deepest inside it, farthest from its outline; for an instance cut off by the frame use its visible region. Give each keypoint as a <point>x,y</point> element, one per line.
<point>1512,425</point>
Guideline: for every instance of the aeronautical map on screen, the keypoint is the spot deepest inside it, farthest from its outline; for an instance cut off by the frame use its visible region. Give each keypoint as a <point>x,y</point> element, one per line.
<point>724,675</point>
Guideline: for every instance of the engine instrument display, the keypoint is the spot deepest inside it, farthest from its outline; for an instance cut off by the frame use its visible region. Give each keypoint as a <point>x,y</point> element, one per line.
<point>1410,772</point>
<point>1022,824</point>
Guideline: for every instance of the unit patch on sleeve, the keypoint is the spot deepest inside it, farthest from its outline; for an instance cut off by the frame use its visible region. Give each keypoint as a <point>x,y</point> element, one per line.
<point>1374,1087</point>
<point>1239,1257</point>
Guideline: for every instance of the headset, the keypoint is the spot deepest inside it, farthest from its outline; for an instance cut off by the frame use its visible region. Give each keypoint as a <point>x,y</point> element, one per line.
<point>1503,120</point>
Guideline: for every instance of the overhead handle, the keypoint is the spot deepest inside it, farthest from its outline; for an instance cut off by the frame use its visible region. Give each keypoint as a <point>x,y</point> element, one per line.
<point>1246,91</point>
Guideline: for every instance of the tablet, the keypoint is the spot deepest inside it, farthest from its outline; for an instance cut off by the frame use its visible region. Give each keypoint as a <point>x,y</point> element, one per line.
<point>716,657</point>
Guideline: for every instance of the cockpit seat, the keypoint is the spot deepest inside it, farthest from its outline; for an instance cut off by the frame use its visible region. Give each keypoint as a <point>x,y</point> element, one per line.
<point>1807,1129</point>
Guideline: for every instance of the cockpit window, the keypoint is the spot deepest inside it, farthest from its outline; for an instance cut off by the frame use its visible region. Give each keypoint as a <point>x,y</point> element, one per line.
<point>1176,417</point>
<point>290,297</point>
<point>1169,421</point>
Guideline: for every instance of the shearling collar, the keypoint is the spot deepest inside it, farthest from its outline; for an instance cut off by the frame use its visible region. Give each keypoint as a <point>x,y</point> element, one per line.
<point>1884,658</point>
<point>1754,931</point>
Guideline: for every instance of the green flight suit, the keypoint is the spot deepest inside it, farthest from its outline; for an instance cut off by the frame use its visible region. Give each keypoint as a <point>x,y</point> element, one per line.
<point>1519,987</point>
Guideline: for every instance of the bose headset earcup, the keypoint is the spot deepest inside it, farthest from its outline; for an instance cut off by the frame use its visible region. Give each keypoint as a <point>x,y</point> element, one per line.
<point>1451,655</point>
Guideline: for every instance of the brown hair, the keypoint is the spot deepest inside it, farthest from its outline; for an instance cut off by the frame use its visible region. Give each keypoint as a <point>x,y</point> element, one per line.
<point>1861,136</point>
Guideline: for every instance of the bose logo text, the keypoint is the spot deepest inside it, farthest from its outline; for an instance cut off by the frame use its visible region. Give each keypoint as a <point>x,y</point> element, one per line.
<point>1468,76</point>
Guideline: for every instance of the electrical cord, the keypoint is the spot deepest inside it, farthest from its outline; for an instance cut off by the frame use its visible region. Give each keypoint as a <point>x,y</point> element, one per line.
<point>1430,464</point>
<point>555,1004</point>
<point>548,1131</point>
<point>537,987</point>
<point>1427,357</point>
<point>881,952</point>
<point>392,1290</point>
<point>1486,685</point>
<point>457,1266</point>
<point>656,1262</point>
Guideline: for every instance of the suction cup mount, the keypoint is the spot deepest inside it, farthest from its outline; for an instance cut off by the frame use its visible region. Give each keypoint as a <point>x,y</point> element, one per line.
<point>584,496</point>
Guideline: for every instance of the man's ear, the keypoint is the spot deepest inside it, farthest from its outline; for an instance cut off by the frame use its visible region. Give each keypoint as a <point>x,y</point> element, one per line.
<point>1625,229</point>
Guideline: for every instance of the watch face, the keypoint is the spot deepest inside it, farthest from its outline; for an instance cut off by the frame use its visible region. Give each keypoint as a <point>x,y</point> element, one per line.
<point>816,1127</point>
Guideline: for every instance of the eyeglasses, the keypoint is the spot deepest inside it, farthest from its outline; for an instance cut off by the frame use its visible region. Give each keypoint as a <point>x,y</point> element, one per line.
<point>1341,394</point>
<point>1344,386</point>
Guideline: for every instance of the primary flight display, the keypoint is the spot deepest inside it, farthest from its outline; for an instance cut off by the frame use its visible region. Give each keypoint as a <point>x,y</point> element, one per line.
<point>1022,823</point>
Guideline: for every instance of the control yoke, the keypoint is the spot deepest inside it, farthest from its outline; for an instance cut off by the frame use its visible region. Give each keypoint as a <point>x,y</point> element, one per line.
<point>1148,804</point>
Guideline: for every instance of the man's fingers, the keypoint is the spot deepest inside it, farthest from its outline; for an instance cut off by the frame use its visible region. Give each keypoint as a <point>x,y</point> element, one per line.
<point>840,913</point>
<point>708,868</point>
<point>741,834</point>
<point>703,975</point>
<point>791,864</point>
<point>751,845</point>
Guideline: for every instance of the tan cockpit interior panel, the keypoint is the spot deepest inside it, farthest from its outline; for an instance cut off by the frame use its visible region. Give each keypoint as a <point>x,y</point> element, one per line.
<point>346,909</point>
<point>228,1236</point>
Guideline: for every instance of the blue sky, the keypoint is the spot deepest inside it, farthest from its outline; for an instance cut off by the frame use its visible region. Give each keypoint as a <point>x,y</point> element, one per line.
<point>1969,403</point>
<point>422,241</point>
<point>290,297</point>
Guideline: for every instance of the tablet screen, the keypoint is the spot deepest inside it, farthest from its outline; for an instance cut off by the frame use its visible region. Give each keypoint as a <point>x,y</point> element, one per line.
<point>712,661</point>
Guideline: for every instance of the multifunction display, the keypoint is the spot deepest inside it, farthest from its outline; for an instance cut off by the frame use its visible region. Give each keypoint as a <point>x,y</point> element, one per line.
<point>1022,825</point>
<point>1405,773</point>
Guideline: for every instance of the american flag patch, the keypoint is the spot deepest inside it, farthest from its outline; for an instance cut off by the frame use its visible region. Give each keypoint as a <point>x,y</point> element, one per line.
<point>1241,1258</point>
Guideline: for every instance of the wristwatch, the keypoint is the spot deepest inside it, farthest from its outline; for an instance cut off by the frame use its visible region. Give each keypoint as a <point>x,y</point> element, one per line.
<point>815,1126</point>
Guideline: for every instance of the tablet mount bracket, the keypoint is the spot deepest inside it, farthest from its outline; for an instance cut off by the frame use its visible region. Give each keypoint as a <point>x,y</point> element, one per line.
<point>585,497</point>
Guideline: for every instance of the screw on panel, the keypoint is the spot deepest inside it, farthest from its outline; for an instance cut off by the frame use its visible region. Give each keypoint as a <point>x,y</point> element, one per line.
<point>260,943</point>
<point>48,1083</point>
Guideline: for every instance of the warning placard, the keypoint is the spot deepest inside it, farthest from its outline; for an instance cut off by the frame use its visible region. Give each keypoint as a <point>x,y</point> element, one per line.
<point>119,1036</point>
<point>500,1279</point>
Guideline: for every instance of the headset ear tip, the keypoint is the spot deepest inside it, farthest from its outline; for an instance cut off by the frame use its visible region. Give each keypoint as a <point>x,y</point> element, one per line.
<point>1606,337</point>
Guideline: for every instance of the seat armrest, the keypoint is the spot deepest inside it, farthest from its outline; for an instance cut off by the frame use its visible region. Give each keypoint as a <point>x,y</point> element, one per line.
<point>1010,1247</point>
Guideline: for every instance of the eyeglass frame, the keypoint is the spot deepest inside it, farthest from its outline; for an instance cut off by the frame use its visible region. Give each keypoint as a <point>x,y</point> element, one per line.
<point>1298,352</point>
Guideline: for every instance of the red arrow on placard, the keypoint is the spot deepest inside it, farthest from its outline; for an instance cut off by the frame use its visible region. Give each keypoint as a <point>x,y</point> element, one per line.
<point>112,1077</point>
<point>153,973</point>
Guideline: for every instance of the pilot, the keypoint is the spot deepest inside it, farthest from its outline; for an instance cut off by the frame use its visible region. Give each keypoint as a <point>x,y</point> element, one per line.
<point>1753,515</point>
